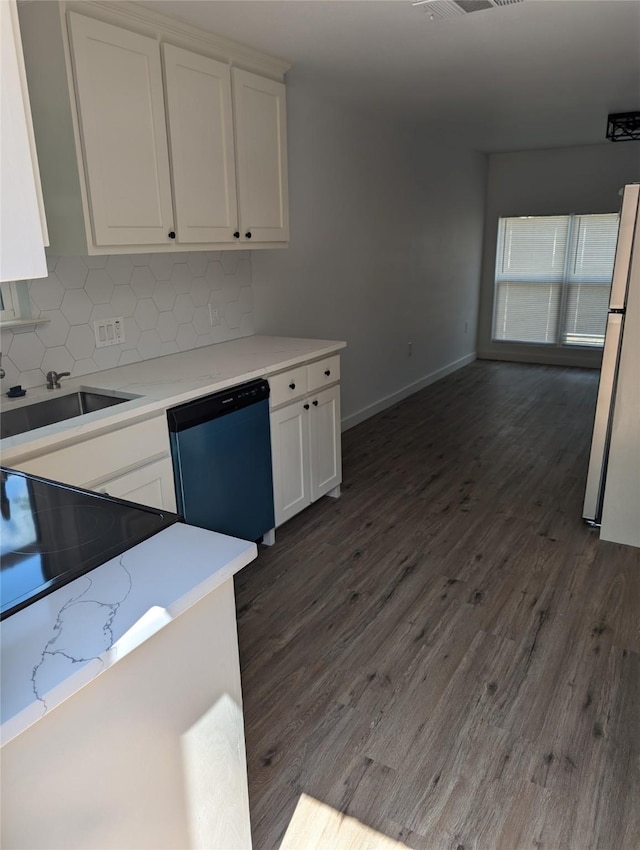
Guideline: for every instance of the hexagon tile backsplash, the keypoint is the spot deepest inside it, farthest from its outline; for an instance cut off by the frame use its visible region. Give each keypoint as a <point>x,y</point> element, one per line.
<point>163,298</point>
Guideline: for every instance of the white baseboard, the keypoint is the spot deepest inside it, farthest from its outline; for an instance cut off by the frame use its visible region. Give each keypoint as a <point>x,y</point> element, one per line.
<point>586,360</point>
<point>410,389</point>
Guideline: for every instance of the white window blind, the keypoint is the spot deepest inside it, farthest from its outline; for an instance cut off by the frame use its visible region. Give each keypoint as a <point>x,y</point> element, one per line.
<point>553,275</point>
<point>589,279</point>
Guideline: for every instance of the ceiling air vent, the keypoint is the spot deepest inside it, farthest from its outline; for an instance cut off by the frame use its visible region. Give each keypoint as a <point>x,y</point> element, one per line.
<point>473,5</point>
<point>439,10</point>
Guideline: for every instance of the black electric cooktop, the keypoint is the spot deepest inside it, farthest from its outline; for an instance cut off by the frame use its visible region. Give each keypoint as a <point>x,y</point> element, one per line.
<point>52,533</point>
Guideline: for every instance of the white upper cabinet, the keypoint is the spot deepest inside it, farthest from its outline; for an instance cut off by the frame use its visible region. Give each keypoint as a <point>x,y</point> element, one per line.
<point>118,82</point>
<point>145,149</point>
<point>198,92</point>
<point>22,222</point>
<point>261,143</point>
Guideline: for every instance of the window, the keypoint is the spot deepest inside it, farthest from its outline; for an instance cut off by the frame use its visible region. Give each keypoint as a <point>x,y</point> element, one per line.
<point>15,304</point>
<point>553,276</point>
<point>9,306</point>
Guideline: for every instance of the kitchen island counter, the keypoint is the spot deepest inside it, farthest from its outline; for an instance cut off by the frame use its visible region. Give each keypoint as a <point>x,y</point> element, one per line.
<point>61,642</point>
<point>121,703</point>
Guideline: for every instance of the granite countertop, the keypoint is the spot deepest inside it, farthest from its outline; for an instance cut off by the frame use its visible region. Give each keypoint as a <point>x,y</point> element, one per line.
<point>61,642</point>
<point>161,383</point>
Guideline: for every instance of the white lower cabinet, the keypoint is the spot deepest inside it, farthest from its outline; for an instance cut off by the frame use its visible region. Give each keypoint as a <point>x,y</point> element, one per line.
<point>131,463</point>
<point>150,485</point>
<point>326,454</point>
<point>306,452</point>
<point>290,441</point>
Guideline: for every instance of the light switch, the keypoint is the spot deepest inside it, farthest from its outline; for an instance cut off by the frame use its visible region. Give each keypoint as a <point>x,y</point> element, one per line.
<point>108,331</point>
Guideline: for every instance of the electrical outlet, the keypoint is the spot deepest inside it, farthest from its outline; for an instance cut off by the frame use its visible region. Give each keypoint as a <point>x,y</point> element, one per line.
<point>214,314</point>
<point>109,331</point>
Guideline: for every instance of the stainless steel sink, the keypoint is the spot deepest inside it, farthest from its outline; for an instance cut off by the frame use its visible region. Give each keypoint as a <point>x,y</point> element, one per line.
<point>19,420</point>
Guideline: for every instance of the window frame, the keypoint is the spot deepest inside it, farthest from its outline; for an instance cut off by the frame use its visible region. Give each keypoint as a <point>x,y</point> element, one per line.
<point>10,302</point>
<point>19,310</point>
<point>559,342</point>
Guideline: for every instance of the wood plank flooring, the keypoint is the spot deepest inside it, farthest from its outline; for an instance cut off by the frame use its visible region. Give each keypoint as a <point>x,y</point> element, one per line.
<point>446,656</point>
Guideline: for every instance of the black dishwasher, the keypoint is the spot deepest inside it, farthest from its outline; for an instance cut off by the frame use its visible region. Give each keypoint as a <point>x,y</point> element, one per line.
<point>221,450</point>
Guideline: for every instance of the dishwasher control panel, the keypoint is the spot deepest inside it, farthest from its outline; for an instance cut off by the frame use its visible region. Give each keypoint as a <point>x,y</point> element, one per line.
<point>217,404</point>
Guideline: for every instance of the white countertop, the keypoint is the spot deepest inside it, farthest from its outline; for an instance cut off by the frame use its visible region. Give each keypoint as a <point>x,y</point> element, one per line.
<point>60,643</point>
<point>161,383</point>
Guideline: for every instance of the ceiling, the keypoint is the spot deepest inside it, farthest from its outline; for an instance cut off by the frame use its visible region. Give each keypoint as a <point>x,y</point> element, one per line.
<point>541,73</point>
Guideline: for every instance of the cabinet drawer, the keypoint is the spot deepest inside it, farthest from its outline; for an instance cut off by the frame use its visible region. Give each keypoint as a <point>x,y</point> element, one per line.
<point>287,386</point>
<point>151,485</point>
<point>324,372</point>
<point>100,458</point>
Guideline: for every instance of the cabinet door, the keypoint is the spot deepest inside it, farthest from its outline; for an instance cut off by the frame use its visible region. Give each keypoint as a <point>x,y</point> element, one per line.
<point>326,454</point>
<point>198,92</point>
<point>150,485</point>
<point>22,255</point>
<point>261,157</point>
<point>118,82</point>
<point>290,457</point>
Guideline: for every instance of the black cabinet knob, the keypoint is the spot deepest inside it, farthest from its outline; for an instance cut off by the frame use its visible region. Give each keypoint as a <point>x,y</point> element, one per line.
<point>315,403</point>
<point>172,234</point>
<point>306,407</point>
<point>236,235</point>
<point>327,372</point>
<point>248,234</point>
<point>292,386</point>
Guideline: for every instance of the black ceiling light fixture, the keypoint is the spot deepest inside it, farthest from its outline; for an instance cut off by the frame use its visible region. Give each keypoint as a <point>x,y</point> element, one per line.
<point>623,127</point>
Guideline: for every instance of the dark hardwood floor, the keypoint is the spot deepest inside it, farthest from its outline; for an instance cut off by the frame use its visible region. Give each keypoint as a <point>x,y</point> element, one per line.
<point>446,653</point>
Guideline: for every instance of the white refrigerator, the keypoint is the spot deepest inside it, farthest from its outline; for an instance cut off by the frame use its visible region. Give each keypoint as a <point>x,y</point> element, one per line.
<point>616,387</point>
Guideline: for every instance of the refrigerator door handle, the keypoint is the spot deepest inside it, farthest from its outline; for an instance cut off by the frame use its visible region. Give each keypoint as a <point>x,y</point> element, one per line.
<point>622,264</point>
<point>592,510</point>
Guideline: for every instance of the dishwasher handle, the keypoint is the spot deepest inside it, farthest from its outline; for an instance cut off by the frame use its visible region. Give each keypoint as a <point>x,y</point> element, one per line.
<point>215,405</point>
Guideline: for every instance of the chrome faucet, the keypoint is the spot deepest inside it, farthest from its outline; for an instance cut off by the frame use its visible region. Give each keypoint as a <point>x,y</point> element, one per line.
<point>53,379</point>
<point>2,372</point>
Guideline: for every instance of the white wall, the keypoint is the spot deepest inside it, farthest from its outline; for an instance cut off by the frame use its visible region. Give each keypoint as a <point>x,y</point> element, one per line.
<point>385,249</point>
<point>549,182</point>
